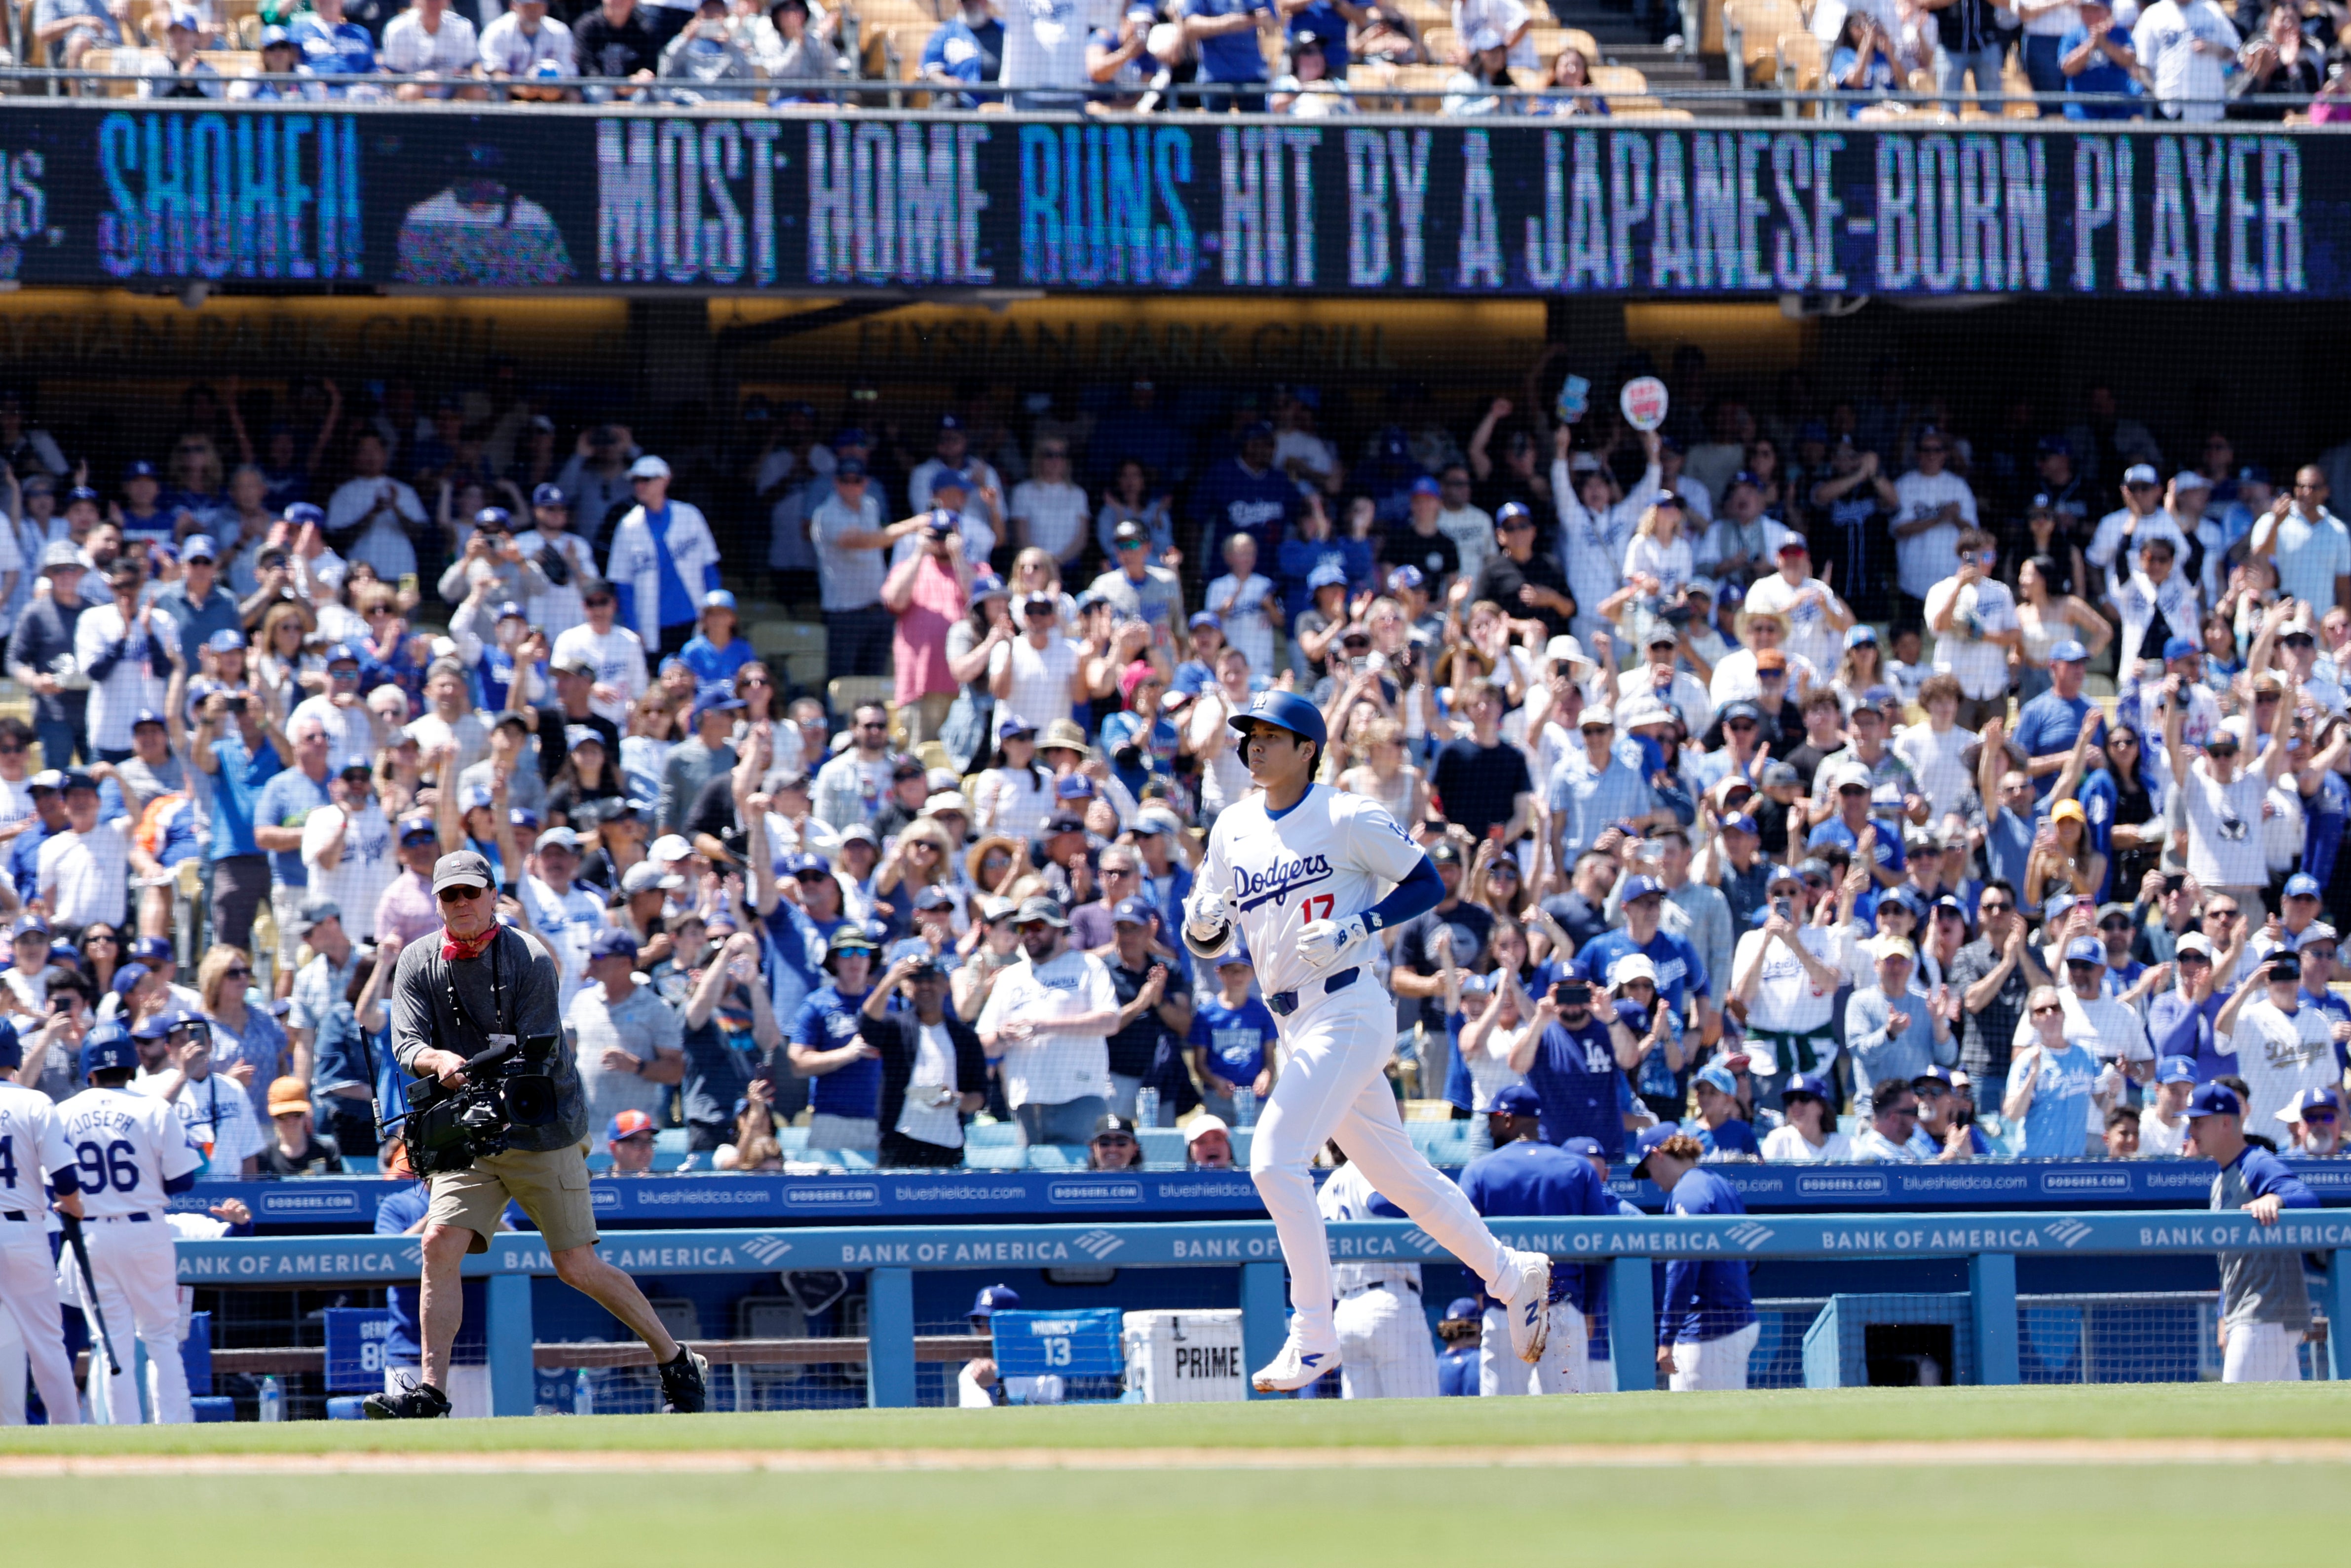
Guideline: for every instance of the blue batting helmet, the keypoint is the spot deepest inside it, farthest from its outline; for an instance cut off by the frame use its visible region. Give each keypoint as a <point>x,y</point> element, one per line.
<point>1285,710</point>
<point>108,1049</point>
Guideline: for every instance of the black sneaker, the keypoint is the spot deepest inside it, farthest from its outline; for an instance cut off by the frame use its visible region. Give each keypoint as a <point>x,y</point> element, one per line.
<point>421,1403</point>
<point>683,1392</point>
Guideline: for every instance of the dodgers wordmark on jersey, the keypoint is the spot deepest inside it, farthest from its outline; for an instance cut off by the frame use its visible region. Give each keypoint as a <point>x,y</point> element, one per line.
<point>1331,855</point>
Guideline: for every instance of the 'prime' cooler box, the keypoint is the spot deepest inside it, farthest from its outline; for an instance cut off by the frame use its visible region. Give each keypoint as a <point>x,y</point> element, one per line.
<point>1185,1358</point>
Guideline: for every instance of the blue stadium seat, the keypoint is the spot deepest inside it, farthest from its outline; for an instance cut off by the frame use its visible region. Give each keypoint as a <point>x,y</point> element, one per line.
<point>670,1140</point>
<point>992,1135</point>
<point>995,1157</point>
<point>791,1139</point>
<point>1057,1156</point>
<point>1163,1147</point>
<point>361,1164</point>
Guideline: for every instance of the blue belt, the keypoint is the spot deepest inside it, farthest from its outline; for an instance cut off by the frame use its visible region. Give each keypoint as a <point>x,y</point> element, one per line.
<point>1284,1003</point>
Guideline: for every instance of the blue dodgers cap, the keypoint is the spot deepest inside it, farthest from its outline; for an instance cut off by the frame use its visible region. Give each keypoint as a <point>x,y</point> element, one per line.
<point>1285,710</point>
<point>550,495</point>
<point>1588,1147</point>
<point>1426,484</point>
<point>1860,633</point>
<point>1328,575</point>
<point>938,897</point>
<point>2176,1070</point>
<point>1075,787</point>
<point>1741,823</point>
<point>127,979</point>
<point>612,942</point>
<point>2302,885</point>
<point>273,36</point>
<point>2298,1108</point>
<point>225,641</point>
<point>717,697</point>
<point>2179,648</point>
<point>494,517</point>
<point>995,1298</point>
<point>108,1049</point>
<point>2087,950</point>
<point>1132,911</point>
<point>147,715</point>
<point>1465,1309</point>
<point>1517,1100</point>
<point>1405,576</point>
<point>341,652</point>
<point>2214,1099</point>
<point>30,925</point>
<point>2050,445</point>
<point>1205,618</point>
<point>138,468</point>
<point>1641,887</point>
<point>306,512</point>
<point>199,547</point>
<point>1511,512</point>
<point>511,610</point>
<point>718,599</point>
<point>474,795</point>
<point>2069,652</point>
<point>1646,1144</point>
<point>1806,1083</point>
<point>1934,1072</point>
<point>1717,1077</point>
<point>803,865</point>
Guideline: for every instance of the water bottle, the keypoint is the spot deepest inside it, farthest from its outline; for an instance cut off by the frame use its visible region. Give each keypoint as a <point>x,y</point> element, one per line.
<point>1245,1105</point>
<point>583,1394</point>
<point>273,1400</point>
<point>1147,1107</point>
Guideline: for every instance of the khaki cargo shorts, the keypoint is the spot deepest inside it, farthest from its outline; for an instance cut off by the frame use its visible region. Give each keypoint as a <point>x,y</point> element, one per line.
<point>551,1184</point>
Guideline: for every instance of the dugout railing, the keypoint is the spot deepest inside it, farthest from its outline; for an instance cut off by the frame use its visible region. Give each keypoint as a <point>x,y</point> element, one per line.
<point>1985,1315</point>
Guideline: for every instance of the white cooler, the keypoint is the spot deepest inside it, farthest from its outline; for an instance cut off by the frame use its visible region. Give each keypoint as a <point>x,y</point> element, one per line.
<point>1185,1358</point>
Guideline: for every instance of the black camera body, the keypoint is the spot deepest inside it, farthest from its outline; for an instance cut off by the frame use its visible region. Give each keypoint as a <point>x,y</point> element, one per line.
<point>506,1087</point>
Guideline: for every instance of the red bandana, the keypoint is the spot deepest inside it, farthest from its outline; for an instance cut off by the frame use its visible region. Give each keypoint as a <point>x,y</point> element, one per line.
<point>453,948</point>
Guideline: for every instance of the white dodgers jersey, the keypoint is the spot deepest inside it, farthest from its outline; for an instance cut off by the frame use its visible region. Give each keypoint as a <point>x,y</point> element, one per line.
<point>1349,1195</point>
<point>125,1147</point>
<point>32,1144</point>
<point>1331,855</point>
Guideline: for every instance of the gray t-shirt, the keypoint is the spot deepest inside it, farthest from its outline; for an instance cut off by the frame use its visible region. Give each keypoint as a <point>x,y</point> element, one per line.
<point>2257,1287</point>
<point>524,1004</point>
<point>643,1026</point>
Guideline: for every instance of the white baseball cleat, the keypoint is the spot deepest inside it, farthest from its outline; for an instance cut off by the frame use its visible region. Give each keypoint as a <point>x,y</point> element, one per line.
<point>1529,1307</point>
<point>1294,1368</point>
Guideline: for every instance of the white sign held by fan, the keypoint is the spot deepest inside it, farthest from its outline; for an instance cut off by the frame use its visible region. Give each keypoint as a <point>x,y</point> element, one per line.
<point>1643,402</point>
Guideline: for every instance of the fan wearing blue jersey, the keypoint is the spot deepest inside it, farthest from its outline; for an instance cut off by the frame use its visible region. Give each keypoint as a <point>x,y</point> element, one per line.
<point>1706,1321</point>
<point>1307,877</point>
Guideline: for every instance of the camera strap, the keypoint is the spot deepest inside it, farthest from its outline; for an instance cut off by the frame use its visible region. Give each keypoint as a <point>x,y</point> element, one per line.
<point>464,1015</point>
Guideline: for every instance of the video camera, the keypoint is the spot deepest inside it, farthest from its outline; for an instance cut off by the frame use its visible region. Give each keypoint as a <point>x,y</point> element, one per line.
<point>506,1087</point>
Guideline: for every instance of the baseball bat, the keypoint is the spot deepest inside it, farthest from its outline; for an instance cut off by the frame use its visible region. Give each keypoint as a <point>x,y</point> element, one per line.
<point>89,1290</point>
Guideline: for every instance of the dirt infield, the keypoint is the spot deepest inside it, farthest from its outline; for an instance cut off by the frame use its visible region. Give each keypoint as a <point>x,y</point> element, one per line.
<point>1982,1452</point>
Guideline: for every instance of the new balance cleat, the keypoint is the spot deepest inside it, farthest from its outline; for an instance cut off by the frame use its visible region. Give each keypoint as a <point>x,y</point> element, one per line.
<point>1529,1307</point>
<point>1293,1369</point>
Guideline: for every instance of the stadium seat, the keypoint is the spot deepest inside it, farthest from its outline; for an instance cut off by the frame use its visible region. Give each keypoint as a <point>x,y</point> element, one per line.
<point>994,1156</point>
<point>670,1141</point>
<point>1163,1147</point>
<point>791,1140</point>
<point>1758,25</point>
<point>1057,1156</point>
<point>992,1135</point>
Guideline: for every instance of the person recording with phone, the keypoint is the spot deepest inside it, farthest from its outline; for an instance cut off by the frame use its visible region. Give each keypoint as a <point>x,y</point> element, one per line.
<point>485,987</point>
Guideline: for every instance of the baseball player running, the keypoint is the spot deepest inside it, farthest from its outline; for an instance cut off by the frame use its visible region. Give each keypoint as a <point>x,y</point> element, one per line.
<point>1384,1346</point>
<point>130,1153</point>
<point>1308,877</point>
<point>32,1144</point>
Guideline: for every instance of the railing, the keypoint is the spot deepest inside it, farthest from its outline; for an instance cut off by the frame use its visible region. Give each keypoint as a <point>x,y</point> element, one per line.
<point>890,1256</point>
<point>1417,97</point>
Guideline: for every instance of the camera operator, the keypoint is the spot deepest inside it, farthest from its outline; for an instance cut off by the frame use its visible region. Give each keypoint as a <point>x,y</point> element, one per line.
<point>480,986</point>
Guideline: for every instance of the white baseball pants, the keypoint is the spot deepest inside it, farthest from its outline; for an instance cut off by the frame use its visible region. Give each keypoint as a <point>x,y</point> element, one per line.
<point>139,1289</point>
<point>1703,1364</point>
<point>29,1304</point>
<point>1333,1085</point>
<point>1384,1350</point>
<point>1562,1369</point>
<point>2261,1353</point>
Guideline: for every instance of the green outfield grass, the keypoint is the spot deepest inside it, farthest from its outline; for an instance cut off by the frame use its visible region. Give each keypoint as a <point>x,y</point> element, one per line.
<point>2114,1410</point>
<point>1968,1518</point>
<point>1965,1516</point>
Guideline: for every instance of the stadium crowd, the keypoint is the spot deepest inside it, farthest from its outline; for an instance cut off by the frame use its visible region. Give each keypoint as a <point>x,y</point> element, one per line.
<point>1757,758</point>
<point>2198,60</point>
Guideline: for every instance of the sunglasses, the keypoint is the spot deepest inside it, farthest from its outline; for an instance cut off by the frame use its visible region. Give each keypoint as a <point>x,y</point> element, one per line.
<point>1989,908</point>
<point>2319,1118</point>
<point>1116,1141</point>
<point>240,973</point>
<point>95,937</point>
<point>2052,1008</point>
<point>460,895</point>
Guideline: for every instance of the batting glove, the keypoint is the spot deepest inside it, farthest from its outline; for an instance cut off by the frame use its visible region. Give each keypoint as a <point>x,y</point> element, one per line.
<point>1209,916</point>
<point>1322,940</point>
